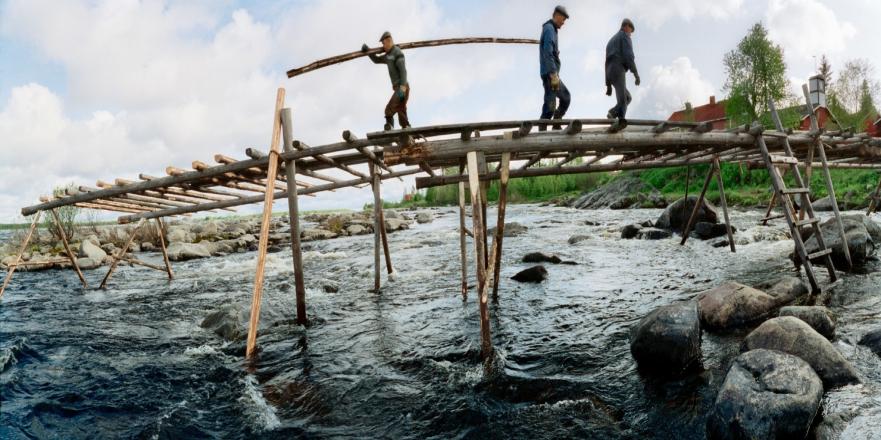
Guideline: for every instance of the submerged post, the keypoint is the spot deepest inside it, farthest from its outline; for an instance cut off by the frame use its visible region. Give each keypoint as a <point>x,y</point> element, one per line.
<point>377,208</point>
<point>67,248</point>
<point>263,243</point>
<point>505,166</point>
<point>294,216</point>
<point>697,205</point>
<point>462,251</point>
<point>24,246</point>
<point>164,250</point>
<point>122,252</point>
<point>383,234</point>
<point>479,231</point>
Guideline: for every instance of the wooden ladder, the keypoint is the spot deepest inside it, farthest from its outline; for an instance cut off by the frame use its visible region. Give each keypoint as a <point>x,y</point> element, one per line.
<point>785,194</point>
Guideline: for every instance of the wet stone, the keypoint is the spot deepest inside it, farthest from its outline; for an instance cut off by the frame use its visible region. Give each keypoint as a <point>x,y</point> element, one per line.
<point>535,274</point>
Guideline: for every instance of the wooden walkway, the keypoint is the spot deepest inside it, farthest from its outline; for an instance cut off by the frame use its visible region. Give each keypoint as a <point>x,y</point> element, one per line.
<point>475,152</point>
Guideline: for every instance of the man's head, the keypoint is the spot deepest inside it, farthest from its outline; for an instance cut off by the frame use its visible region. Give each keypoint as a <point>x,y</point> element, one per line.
<point>387,41</point>
<point>560,16</point>
<point>627,26</point>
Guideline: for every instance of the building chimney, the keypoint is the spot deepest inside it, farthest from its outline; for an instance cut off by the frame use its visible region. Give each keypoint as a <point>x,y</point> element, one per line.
<point>688,107</point>
<point>712,100</point>
<point>817,87</point>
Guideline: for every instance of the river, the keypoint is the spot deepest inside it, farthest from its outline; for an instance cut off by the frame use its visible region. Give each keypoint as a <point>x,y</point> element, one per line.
<point>133,362</point>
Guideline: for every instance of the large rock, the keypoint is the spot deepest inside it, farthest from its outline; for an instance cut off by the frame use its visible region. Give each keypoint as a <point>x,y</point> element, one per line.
<point>535,274</point>
<point>818,317</point>
<point>179,234</point>
<point>630,231</point>
<point>786,290</point>
<point>577,238</point>
<point>93,239</point>
<point>424,217</point>
<point>620,194</point>
<point>675,217</point>
<point>706,231</point>
<point>187,251</point>
<point>396,224</point>
<point>512,229</point>
<point>733,305</point>
<point>356,230</point>
<point>766,395</point>
<point>654,234</point>
<point>539,257</point>
<point>823,204</point>
<point>872,340</point>
<point>859,241</point>
<point>226,323</point>
<point>89,250</point>
<point>317,234</point>
<point>668,340</point>
<point>792,335</point>
<point>86,263</point>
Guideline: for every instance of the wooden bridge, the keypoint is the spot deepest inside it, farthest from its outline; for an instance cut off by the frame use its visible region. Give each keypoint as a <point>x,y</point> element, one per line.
<point>478,153</point>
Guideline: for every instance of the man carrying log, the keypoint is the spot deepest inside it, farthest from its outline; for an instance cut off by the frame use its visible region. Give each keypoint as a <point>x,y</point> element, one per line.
<point>397,72</point>
<point>620,59</point>
<point>549,59</point>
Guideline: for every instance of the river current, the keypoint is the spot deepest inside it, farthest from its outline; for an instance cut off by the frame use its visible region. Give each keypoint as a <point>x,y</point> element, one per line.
<point>133,362</point>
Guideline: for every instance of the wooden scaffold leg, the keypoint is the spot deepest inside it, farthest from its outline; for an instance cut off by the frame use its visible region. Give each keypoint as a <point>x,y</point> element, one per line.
<point>294,217</point>
<point>24,246</point>
<point>715,169</point>
<point>121,255</point>
<point>462,245</point>
<point>724,203</point>
<point>70,254</point>
<point>479,245</point>
<point>263,243</point>
<point>697,205</point>
<point>161,229</point>
<point>496,260</point>
<point>377,224</point>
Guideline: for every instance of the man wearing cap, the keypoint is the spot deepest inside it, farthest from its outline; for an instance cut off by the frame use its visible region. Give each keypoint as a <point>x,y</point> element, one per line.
<point>549,58</point>
<point>620,59</point>
<point>397,72</point>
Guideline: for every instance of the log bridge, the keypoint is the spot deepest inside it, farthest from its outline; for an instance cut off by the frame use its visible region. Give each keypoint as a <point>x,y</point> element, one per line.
<point>468,155</point>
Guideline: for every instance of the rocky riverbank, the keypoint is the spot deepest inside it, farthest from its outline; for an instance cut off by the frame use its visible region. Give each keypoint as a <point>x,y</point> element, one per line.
<point>197,238</point>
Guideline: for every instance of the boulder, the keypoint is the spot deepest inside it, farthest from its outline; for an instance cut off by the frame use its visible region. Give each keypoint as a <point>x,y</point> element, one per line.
<point>330,286</point>
<point>766,395</point>
<point>654,234</point>
<point>226,323</point>
<point>538,257</point>
<point>356,230</point>
<point>179,234</point>
<point>86,263</point>
<point>317,234</point>
<point>676,216</point>
<point>147,247</point>
<point>187,251</point>
<point>818,317</point>
<point>823,204</point>
<point>424,217</point>
<point>388,213</point>
<point>630,231</point>
<point>872,340</point>
<point>618,194</point>
<point>792,335</point>
<point>89,250</point>
<point>396,224</point>
<point>578,238</point>
<point>535,274</point>
<point>733,305</point>
<point>859,241</point>
<point>94,240</point>
<point>512,229</point>
<point>706,231</point>
<point>786,290</point>
<point>668,340</point>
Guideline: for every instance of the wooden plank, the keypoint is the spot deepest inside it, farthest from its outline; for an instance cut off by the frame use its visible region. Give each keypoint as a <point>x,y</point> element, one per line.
<point>24,246</point>
<point>161,234</point>
<point>263,242</point>
<point>724,203</point>
<point>67,250</point>
<point>482,297</point>
<point>377,208</point>
<point>121,255</point>
<point>697,206</point>
<point>496,261</point>
<point>290,168</point>
<point>462,245</point>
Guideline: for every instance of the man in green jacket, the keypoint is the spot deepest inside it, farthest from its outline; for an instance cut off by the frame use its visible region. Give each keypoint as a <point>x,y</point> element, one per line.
<point>397,72</point>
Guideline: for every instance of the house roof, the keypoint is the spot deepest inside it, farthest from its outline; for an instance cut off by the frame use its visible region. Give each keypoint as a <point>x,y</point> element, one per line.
<point>702,113</point>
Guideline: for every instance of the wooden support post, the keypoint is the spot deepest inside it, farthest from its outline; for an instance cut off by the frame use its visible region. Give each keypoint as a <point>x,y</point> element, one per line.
<point>724,203</point>
<point>122,252</point>
<point>67,248</point>
<point>697,205</point>
<point>383,234</point>
<point>809,168</point>
<point>873,202</point>
<point>263,243</point>
<point>479,231</point>
<point>462,245</point>
<point>500,224</point>
<point>24,246</point>
<point>484,189</point>
<point>377,207</point>
<point>161,234</point>
<point>294,217</point>
<point>687,179</point>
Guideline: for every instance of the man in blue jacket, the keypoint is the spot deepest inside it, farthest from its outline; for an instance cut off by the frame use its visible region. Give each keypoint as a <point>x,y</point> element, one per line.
<point>397,72</point>
<point>620,59</point>
<point>549,58</point>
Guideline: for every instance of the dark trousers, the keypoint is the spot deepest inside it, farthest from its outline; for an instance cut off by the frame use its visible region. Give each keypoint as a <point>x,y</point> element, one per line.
<point>550,109</point>
<point>622,95</point>
<point>398,106</point>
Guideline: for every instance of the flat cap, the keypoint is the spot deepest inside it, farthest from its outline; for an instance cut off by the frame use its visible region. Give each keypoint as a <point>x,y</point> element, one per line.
<point>561,10</point>
<point>385,35</point>
<point>627,22</point>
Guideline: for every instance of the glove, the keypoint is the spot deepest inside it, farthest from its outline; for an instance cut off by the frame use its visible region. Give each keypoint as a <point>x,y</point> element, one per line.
<point>555,81</point>
<point>364,48</point>
<point>401,92</point>
<point>608,90</point>
<point>637,79</point>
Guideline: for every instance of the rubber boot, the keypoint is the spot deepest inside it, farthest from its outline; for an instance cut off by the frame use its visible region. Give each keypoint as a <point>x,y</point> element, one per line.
<point>389,123</point>
<point>557,116</point>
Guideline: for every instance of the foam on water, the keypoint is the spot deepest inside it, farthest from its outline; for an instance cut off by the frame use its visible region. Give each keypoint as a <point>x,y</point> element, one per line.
<point>259,410</point>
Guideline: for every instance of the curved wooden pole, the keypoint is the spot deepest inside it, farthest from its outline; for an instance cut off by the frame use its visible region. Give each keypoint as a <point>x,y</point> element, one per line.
<point>24,246</point>
<point>315,65</point>
<point>69,252</point>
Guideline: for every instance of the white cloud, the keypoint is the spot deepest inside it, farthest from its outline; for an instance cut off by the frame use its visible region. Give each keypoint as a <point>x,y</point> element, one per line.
<point>807,28</point>
<point>669,88</point>
<point>655,13</point>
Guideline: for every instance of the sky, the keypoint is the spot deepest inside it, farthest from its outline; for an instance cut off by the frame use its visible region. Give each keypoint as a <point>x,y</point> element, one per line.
<point>96,89</point>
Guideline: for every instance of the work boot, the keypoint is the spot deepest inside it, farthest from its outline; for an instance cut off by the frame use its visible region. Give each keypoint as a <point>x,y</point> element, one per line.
<point>542,127</point>
<point>618,125</point>
<point>389,123</point>
<point>610,115</point>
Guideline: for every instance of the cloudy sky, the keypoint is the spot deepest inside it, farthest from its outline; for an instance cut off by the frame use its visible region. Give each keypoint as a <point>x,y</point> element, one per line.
<point>103,89</point>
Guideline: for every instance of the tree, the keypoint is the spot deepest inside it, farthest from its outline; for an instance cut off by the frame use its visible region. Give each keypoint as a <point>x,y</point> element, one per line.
<point>825,70</point>
<point>756,73</point>
<point>856,79</point>
<point>67,215</point>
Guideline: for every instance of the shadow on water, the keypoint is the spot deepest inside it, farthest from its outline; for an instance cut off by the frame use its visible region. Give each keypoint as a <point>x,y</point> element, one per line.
<point>133,362</point>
